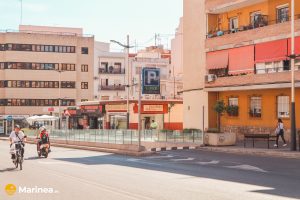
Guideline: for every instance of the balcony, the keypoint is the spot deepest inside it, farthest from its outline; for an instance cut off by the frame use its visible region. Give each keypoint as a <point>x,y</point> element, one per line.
<point>112,88</point>
<point>253,81</point>
<point>260,27</point>
<point>111,71</point>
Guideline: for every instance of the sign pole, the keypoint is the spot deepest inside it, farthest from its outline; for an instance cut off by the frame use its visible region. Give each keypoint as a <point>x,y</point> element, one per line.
<point>139,108</point>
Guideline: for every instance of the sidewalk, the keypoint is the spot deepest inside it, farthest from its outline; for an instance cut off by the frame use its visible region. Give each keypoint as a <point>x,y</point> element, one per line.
<point>260,149</point>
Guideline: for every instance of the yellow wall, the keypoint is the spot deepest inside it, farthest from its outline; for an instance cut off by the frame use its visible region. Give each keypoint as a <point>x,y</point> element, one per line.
<point>269,108</point>
<point>243,14</point>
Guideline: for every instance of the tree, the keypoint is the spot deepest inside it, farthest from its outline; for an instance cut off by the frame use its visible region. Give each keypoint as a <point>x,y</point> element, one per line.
<point>219,108</point>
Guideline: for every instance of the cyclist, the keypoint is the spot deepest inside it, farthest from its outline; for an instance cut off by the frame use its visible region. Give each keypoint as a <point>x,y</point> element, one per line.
<point>17,136</point>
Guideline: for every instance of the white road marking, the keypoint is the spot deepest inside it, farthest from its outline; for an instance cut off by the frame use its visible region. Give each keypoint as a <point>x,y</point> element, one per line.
<point>247,167</point>
<point>183,159</point>
<point>213,162</point>
<point>157,157</point>
<point>142,161</point>
<point>62,163</point>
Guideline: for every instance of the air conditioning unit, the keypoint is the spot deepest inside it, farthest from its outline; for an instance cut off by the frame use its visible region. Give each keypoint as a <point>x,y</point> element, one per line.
<point>210,78</point>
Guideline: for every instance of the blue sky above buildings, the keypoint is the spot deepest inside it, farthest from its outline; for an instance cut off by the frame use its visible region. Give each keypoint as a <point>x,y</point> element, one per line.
<point>106,19</point>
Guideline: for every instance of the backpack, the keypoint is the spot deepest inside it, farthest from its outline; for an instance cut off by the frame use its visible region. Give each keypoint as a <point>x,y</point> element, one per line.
<point>44,138</point>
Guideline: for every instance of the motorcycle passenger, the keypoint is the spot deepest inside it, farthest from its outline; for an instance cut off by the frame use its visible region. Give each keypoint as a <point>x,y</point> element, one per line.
<point>17,136</point>
<point>43,139</point>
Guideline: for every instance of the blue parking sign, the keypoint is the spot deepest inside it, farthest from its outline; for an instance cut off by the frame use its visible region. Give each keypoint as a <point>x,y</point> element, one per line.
<point>151,80</point>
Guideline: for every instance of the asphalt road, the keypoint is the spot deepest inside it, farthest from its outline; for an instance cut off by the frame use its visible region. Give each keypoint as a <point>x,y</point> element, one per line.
<point>174,175</point>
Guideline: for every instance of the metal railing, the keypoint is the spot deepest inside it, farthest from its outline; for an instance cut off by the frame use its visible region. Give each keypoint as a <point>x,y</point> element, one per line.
<point>255,22</point>
<point>272,70</point>
<point>123,136</point>
<point>111,71</point>
<point>112,87</point>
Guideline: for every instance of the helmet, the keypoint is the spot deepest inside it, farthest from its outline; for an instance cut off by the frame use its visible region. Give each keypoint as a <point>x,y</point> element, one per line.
<point>42,128</point>
<point>17,126</point>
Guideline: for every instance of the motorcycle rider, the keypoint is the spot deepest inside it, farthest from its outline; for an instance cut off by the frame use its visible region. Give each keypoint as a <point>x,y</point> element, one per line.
<point>16,136</point>
<point>43,139</point>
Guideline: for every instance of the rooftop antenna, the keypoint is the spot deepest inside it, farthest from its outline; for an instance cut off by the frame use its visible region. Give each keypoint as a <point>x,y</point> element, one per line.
<point>21,16</point>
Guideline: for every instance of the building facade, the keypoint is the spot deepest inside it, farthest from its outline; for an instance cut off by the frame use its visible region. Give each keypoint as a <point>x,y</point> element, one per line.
<point>247,64</point>
<point>110,74</point>
<point>41,69</point>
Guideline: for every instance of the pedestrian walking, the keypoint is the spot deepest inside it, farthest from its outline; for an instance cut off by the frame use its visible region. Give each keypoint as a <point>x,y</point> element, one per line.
<point>280,133</point>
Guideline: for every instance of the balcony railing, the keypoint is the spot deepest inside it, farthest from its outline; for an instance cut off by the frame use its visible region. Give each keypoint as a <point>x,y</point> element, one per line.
<point>112,87</point>
<point>273,70</point>
<point>111,71</point>
<point>256,21</point>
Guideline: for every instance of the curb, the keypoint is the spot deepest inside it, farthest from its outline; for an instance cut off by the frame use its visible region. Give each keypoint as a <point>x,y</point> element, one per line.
<point>253,152</point>
<point>172,148</point>
<point>115,151</point>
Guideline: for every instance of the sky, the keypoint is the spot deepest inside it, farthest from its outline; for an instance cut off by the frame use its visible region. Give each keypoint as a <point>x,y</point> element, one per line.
<point>106,19</point>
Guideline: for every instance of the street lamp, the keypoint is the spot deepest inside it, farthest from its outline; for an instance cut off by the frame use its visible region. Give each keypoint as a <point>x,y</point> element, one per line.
<point>59,97</point>
<point>292,57</point>
<point>127,47</point>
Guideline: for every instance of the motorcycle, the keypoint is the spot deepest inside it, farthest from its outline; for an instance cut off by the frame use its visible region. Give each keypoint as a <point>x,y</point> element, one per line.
<point>43,150</point>
<point>17,155</point>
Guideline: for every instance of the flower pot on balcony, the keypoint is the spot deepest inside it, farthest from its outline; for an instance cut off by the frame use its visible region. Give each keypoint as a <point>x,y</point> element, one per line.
<point>220,139</point>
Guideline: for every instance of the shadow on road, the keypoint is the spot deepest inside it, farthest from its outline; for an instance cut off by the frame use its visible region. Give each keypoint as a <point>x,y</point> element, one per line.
<point>7,169</point>
<point>285,186</point>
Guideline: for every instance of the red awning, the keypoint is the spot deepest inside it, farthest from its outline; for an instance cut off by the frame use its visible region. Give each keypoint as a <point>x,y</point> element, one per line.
<point>241,60</point>
<point>271,51</point>
<point>217,59</point>
<point>297,46</point>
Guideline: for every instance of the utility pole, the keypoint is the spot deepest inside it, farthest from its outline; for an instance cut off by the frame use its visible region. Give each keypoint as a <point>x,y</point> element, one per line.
<point>21,16</point>
<point>128,85</point>
<point>140,108</point>
<point>127,47</point>
<point>293,56</point>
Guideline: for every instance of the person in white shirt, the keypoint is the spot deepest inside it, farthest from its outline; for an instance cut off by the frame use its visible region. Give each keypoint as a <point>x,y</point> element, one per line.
<point>280,132</point>
<point>16,136</point>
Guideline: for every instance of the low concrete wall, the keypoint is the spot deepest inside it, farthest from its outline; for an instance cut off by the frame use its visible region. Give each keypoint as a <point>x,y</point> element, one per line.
<point>122,147</point>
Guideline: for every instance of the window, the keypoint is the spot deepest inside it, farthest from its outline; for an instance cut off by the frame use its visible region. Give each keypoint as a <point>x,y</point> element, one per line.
<point>83,100</point>
<point>67,84</point>
<point>283,106</point>
<point>255,107</point>
<point>234,24</point>
<point>84,85</point>
<point>84,68</point>
<point>233,106</point>
<point>282,13</point>
<point>84,50</point>
<point>67,67</point>
<point>272,67</point>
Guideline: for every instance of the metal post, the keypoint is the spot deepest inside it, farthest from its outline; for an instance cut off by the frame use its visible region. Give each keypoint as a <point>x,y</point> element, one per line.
<point>139,108</point>
<point>128,83</point>
<point>59,98</point>
<point>293,114</point>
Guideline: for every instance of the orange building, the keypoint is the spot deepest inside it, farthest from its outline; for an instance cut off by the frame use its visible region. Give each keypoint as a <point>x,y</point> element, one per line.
<point>248,65</point>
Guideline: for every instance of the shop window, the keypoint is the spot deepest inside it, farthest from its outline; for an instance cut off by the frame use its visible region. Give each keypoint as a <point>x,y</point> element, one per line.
<point>283,106</point>
<point>255,107</point>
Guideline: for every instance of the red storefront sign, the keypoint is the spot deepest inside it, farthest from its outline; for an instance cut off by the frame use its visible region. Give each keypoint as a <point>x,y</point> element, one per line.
<point>151,108</point>
<point>91,108</point>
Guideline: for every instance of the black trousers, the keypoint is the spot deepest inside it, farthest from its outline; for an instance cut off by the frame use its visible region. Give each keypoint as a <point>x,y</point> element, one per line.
<point>282,137</point>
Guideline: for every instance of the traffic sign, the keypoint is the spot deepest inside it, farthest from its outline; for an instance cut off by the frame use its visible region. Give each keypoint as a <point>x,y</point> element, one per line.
<point>151,80</point>
<point>9,118</point>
